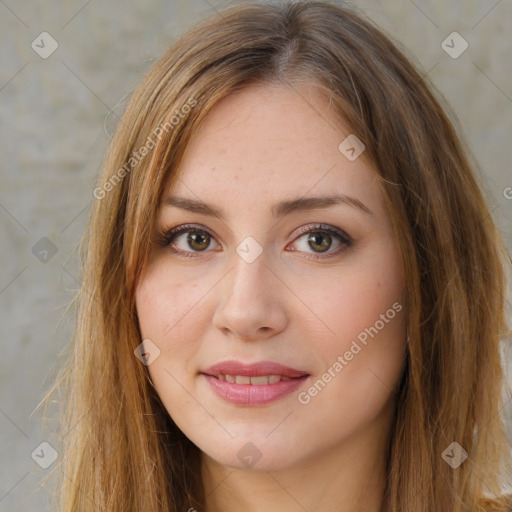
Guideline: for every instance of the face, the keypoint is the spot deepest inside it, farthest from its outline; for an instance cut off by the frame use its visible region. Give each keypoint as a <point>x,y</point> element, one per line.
<point>280,323</point>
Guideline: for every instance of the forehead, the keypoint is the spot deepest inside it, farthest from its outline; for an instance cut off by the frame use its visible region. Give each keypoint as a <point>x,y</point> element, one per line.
<point>270,142</point>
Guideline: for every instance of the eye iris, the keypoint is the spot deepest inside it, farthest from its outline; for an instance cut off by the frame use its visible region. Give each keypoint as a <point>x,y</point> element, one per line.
<point>313,237</point>
<point>191,239</point>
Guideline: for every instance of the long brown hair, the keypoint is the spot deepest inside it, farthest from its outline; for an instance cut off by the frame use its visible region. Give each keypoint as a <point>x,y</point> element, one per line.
<point>120,449</point>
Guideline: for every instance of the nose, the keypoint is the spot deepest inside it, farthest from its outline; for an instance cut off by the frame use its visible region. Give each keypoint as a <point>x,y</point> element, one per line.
<point>251,305</point>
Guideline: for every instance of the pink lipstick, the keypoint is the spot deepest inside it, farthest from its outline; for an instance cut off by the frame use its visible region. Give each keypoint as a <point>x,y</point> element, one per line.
<point>253,384</point>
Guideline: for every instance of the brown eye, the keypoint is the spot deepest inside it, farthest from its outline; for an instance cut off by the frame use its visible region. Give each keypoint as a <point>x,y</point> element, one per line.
<point>198,240</point>
<point>315,240</point>
<point>319,239</point>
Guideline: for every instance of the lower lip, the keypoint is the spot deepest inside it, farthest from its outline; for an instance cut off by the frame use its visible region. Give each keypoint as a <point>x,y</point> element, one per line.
<point>249,394</point>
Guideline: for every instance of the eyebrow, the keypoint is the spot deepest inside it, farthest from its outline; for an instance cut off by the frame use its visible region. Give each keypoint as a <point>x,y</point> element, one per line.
<point>278,210</point>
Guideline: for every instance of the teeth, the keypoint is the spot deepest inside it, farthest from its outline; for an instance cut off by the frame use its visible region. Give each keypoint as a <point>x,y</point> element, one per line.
<point>258,381</point>
<point>255,381</point>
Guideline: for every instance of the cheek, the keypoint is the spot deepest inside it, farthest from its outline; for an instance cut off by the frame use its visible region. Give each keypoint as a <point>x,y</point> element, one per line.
<point>167,317</point>
<point>366,311</point>
<point>366,295</point>
<point>166,302</point>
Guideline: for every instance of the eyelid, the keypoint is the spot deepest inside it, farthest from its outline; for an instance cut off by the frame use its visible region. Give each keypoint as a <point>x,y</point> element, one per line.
<point>166,235</point>
<point>322,227</point>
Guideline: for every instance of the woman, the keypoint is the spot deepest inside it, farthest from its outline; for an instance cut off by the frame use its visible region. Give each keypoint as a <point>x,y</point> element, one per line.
<point>326,336</point>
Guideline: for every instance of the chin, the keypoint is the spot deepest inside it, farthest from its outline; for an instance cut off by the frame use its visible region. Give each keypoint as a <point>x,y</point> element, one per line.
<point>252,454</point>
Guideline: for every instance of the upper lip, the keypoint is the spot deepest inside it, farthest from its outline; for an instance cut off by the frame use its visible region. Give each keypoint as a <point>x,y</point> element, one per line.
<point>253,370</point>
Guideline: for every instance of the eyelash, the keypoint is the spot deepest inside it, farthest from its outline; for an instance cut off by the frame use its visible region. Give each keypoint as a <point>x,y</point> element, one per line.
<point>167,237</point>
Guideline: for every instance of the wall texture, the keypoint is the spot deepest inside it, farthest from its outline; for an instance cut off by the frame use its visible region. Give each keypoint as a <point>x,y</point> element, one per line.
<point>66,68</point>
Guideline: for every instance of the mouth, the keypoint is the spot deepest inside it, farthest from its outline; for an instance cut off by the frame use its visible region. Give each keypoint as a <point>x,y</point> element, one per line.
<point>253,384</point>
<point>269,369</point>
<point>259,380</point>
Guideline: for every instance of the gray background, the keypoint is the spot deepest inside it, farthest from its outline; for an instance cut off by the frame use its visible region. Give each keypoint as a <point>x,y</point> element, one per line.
<point>55,117</point>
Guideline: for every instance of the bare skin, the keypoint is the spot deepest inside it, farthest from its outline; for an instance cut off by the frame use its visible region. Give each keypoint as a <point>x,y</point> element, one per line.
<point>302,302</point>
